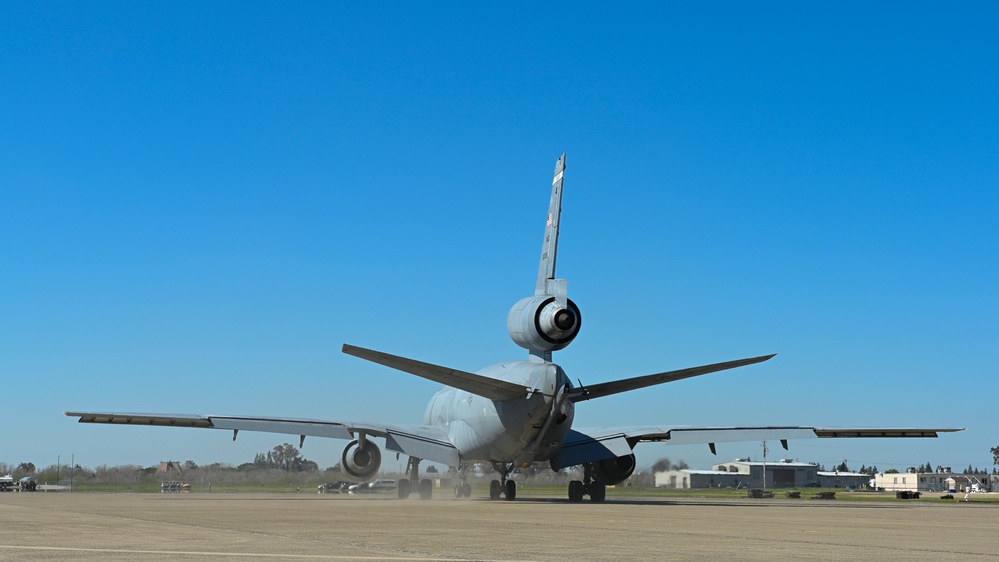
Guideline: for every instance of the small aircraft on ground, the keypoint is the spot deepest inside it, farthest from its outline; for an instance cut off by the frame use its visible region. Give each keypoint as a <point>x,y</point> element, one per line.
<point>514,413</point>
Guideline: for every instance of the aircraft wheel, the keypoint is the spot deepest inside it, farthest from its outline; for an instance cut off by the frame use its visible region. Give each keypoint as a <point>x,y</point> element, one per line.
<point>494,490</point>
<point>511,490</point>
<point>466,490</point>
<point>403,489</point>
<point>459,491</point>
<point>575,491</point>
<point>598,492</point>
<point>426,489</point>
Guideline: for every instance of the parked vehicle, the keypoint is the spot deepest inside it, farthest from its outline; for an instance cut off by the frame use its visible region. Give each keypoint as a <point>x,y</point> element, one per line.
<point>335,486</point>
<point>373,486</point>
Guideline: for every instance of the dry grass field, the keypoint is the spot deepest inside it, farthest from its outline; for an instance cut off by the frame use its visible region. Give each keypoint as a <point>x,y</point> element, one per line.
<point>144,527</point>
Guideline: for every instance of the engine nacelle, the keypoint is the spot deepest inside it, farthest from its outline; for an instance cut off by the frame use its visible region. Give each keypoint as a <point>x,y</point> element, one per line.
<point>614,471</point>
<point>361,463</point>
<point>538,323</point>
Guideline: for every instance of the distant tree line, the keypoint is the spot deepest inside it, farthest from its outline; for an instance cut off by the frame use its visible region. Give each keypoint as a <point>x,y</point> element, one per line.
<point>285,457</point>
<point>664,464</point>
<point>285,461</point>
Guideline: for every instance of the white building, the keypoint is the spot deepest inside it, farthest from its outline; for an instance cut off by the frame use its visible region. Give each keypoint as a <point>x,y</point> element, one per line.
<point>686,479</point>
<point>943,481</point>
<point>854,480</point>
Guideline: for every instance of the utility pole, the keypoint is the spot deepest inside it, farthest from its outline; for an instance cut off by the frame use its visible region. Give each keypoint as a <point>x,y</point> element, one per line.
<point>764,465</point>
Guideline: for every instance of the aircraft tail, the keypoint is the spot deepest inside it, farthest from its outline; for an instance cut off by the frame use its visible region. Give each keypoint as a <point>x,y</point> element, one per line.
<point>493,389</point>
<point>624,385</point>
<point>547,284</point>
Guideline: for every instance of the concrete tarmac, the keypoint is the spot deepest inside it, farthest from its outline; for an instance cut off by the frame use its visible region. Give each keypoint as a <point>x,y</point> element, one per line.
<point>148,527</point>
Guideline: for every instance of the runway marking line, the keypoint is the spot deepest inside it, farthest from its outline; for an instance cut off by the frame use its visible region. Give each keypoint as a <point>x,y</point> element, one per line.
<point>235,554</point>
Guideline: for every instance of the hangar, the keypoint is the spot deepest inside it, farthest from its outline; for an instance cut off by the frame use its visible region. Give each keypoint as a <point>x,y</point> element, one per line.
<point>838,479</point>
<point>743,473</point>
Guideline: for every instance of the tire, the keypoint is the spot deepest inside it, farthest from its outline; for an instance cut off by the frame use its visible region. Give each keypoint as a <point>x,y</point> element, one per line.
<point>426,489</point>
<point>403,489</point>
<point>467,490</point>
<point>575,491</point>
<point>598,493</point>
<point>511,490</point>
<point>494,490</point>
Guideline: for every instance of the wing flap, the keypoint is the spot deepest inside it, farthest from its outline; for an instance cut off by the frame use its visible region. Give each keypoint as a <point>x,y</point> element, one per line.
<point>580,447</point>
<point>332,430</point>
<point>875,432</point>
<point>684,436</point>
<point>423,448</point>
<point>168,420</point>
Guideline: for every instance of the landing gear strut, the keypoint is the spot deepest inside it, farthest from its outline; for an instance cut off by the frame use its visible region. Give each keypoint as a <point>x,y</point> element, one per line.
<point>463,489</point>
<point>425,487</point>
<point>503,486</point>
<point>597,491</point>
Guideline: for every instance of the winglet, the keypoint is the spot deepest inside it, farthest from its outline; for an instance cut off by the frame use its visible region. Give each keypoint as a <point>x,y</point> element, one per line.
<point>549,250</point>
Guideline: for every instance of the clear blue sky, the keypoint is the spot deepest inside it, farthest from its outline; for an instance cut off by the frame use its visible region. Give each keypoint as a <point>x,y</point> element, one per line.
<point>199,204</point>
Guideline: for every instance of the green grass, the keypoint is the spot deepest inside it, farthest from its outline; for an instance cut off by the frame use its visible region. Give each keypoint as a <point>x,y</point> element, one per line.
<point>480,489</point>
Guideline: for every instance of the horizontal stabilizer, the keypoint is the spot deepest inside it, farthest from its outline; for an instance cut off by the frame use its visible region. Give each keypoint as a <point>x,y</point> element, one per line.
<point>624,385</point>
<point>488,387</point>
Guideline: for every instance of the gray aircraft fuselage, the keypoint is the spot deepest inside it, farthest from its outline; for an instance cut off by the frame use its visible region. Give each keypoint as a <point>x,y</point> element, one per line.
<point>510,430</point>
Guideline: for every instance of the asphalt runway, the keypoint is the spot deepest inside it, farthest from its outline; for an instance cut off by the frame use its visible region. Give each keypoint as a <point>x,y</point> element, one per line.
<point>145,527</point>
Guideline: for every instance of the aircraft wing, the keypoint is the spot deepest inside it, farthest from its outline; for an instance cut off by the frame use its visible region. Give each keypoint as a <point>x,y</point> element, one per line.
<point>422,441</point>
<point>586,445</point>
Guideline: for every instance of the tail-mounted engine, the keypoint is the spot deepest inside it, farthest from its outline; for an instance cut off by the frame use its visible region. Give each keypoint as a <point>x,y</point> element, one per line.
<point>613,471</point>
<point>540,323</point>
<point>361,462</point>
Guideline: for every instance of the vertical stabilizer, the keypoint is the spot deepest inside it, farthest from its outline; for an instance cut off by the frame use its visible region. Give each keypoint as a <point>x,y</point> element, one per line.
<point>548,321</point>
<point>547,284</point>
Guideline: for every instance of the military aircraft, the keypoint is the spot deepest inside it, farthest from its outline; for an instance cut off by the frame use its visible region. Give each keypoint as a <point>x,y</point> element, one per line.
<point>514,413</point>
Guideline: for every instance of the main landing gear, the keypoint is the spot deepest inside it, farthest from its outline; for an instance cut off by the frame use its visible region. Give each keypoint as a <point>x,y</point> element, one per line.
<point>577,489</point>
<point>407,486</point>
<point>463,489</point>
<point>503,486</point>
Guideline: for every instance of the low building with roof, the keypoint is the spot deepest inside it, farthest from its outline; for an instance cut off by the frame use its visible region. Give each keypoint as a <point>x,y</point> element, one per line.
<point>941,481</point>
<point>687,479</point>
<point>743,473</point>
<point>837,479</point>
<point>783,473</point>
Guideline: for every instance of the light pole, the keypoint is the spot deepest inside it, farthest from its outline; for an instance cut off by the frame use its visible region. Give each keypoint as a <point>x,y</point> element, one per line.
<point>764,465</point>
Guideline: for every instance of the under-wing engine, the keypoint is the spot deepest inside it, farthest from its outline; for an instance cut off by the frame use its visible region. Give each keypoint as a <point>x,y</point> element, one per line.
<point>361,461</point>
<point>613,471</point>
<point>541,323</point>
